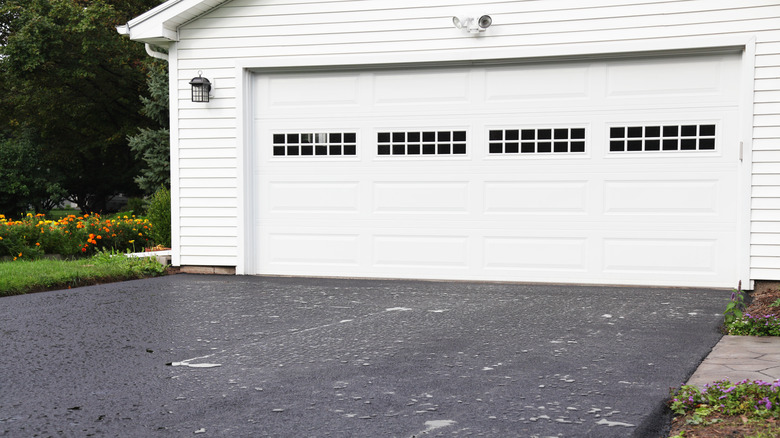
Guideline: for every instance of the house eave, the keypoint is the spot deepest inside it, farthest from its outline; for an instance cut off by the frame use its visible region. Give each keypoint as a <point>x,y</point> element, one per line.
<point>160,26</point>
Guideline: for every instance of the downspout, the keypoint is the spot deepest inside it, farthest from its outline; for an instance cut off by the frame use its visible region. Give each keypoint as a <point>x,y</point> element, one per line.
<point>154,53</point>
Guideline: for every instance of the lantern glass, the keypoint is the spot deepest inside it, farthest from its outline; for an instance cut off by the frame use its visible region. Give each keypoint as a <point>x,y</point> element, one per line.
<point>200,89</point>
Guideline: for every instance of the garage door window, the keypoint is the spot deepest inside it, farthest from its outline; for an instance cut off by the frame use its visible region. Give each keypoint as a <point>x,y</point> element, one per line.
<point>537,141</point>
<point>662,138</point>
<point>311,144</point>
<point>421,143</point>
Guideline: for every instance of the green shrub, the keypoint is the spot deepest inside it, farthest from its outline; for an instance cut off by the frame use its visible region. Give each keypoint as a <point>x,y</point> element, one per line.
<point>159,214</point>
<point>137,206</point>
<point>33,236</point>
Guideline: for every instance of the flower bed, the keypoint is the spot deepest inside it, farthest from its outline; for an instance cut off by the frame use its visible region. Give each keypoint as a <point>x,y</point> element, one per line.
<point>35,236</point>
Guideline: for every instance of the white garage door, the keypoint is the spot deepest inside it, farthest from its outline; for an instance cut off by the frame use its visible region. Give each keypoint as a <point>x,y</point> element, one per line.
<point>610,172</point>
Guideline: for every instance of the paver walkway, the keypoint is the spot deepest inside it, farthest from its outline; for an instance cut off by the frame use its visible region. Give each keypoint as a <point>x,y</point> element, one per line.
<point>737,358</point>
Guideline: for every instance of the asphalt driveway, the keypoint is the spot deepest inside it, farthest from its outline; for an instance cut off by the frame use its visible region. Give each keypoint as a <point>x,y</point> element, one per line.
<point>189,355</point>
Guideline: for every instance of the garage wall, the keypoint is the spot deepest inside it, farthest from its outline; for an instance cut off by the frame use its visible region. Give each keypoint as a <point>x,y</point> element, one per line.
<point>301,32</point>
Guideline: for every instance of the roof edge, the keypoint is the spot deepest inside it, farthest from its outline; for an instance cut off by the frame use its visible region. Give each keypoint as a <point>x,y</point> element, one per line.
<point>161,24</point>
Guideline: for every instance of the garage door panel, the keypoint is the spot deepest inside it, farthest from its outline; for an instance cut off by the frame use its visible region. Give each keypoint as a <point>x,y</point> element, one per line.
<point>313,197</point>
<point>668,197</point>
<point>420,251</point>
<point>697,78</point>
<point>541,84</point>
<point>535,253</point>
<point>312,248</point>
<point>323,91</point>
<point>588,214</point>
<point>423,197</point>
<point>661,255</point>
<point>535,197</point>
<point>422,88</point>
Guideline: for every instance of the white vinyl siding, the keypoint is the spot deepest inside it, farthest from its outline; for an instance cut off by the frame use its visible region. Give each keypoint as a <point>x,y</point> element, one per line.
<point>280,33</point>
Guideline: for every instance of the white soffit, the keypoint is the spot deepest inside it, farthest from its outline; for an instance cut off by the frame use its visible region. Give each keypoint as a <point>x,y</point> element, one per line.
<point>160,25</point>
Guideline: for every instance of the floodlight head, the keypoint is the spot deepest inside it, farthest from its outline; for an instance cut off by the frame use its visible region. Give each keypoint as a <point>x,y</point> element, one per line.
<point>471,24</point>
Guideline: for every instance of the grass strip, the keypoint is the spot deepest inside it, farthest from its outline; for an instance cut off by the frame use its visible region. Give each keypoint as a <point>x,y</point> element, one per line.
<point>19,277</point>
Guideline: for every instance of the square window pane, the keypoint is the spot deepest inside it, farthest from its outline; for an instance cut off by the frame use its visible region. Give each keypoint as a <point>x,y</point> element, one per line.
<point>617,146</point>
<point>528,147</point>
<point>578,146</point>
<point>307,150</point>
<point>279,150</point>
<point>512,148</point>
<point>528,134</point>
<point>413,137</point>
<point>334,150</point>
<point>444,148</point>
<point>544,134</point>
<point>350,149</point>
<point>689,130</point>
<point>383,137</point>
<point>292,150</point>
<point>307,138</point>
<point>413,149</point>
<point>321,138</point>
<point>350,137</point>
<point>429,149</point>
<point>279,138</point>
<point>688,144</point>
<point>707,144</point>
<point>671,131</point>
<point>634,145</point>
<point>321,150</point>
<point>399,149</point>
<point>708,130</point>
<point>459,136</point>
<point>669,144</point>
<point>561,134</point>
<point>292,138</point>
<point>429,136</point>
<point>544,147</point>
<point>459,148</point>
<point>617,132</point>
<point>382,149</point>
<point>399,137</point>
<point>513,134</point>
<point>635,132</point>
<point>652,145</point>
<point>445,136</point>
<point>578,134</point>
<point>561,146</point>
<point>652,131</point>
<point>496,135</point>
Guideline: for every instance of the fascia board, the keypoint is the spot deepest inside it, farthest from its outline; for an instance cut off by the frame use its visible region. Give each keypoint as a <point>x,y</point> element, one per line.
<point>161,23</point>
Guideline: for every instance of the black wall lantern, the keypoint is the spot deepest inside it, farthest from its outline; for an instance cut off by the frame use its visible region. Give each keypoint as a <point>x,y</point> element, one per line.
<point>200,88</point>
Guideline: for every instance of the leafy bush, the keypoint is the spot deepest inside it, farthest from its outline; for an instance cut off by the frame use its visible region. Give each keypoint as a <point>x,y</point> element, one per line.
<point>756,399</point>
<point>750,325</point>
<point>159,214</point>
<point>34,236</point>
<point>137,206</point>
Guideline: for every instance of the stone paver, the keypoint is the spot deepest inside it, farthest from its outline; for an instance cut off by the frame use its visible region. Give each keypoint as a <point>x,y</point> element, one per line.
<point>740,357</point>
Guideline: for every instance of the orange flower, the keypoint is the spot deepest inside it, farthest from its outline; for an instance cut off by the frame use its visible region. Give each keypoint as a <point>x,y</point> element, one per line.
<point>37,243</point>
<point>99,236</point>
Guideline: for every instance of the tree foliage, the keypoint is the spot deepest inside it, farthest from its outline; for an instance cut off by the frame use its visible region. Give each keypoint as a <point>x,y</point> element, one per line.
<point>73,82</point>
<point>152,145</point>
<point>24,182</point>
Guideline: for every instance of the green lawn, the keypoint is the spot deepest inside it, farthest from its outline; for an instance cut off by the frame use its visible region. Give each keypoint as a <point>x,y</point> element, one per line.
<point>19,277</point>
